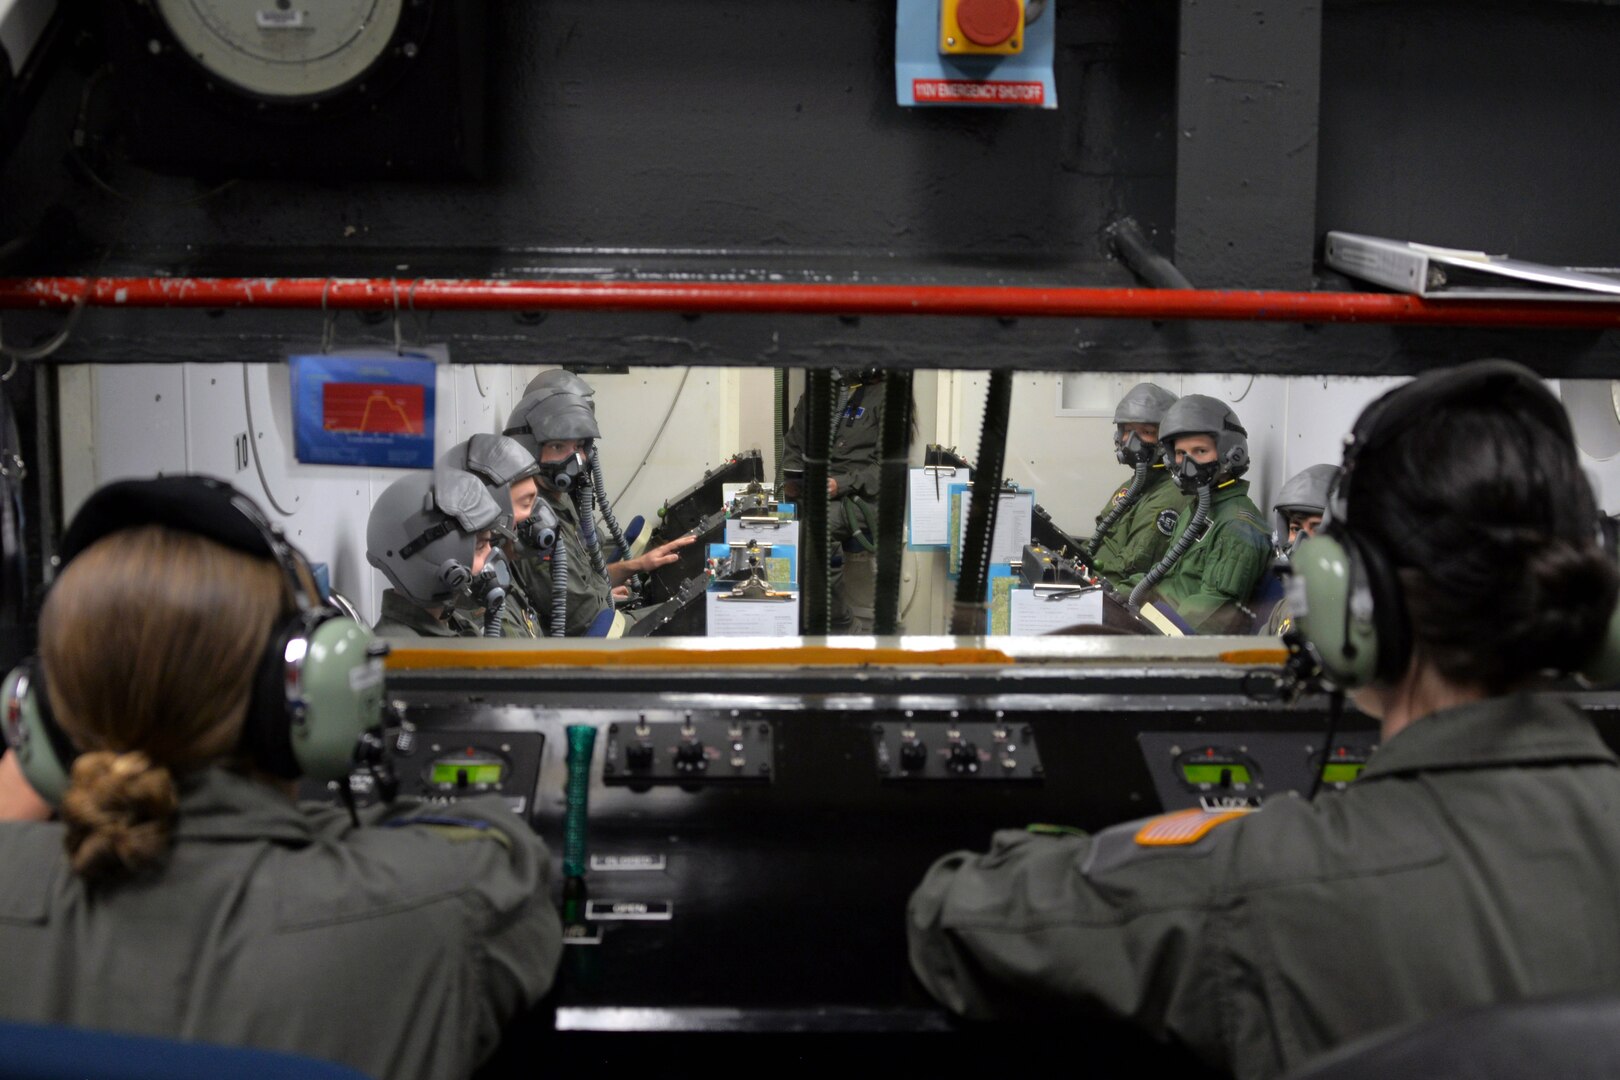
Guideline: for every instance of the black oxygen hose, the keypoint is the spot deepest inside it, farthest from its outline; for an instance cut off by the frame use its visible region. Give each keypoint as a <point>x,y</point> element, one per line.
<point>615,533</point>
<point>1195,529</point>
<point>895,441</point>
<point>559,591</point>
<point>816,570</point>
<point>1128,500</point>
<point>970,615</point>
<point>585,503</point>
<point>494,601</point>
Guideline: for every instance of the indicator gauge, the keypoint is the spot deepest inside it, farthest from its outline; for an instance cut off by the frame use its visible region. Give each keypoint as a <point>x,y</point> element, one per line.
<point>469,770</point>
<point>1218,769</point>
<point>284,50</point>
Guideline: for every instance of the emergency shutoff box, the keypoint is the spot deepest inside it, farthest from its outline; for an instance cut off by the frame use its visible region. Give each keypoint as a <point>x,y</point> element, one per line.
<point>981,27</point>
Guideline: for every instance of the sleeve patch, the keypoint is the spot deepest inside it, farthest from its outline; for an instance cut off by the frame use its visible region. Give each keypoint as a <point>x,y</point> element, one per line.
<point>1183,827</point>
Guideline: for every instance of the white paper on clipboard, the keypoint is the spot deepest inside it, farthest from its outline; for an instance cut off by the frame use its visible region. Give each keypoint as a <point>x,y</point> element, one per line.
<point>1015,520</point>
<point>752,618</point>
<point>928,505</point>
<point>1041,612</point>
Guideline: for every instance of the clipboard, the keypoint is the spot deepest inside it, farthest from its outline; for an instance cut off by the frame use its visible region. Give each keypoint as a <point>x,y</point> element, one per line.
<point>1012,546</point>
<point>928,505</point>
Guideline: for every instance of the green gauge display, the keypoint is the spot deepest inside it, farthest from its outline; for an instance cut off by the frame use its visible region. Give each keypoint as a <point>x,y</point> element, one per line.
<point>1216,774</point>
<point>450,773</point>
<point>1342,772</point>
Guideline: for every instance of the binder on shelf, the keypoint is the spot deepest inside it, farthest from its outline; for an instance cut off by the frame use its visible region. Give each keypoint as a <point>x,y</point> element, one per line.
<point>1439,273</point>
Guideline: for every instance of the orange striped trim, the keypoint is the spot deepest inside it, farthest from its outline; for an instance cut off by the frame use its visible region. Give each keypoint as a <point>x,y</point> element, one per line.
<point>1183,827</point>
<point>1254,656</point>
<point>427,659</point>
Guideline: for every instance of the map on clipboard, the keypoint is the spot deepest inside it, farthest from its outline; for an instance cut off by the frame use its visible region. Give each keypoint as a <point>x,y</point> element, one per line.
<point>1440,273</point>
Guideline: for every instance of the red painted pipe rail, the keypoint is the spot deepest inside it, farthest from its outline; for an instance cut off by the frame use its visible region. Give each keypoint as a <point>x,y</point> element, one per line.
<point>442,294</point>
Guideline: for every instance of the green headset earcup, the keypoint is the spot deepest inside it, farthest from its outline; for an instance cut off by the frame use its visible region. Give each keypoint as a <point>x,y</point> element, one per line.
<point>28,739</point>
<point>1320,598</point>
<point>342,687</point>
<point>1604,667</point>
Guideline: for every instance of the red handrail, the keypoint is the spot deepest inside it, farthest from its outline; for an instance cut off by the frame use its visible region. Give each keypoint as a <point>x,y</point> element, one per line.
<point>444,294</point>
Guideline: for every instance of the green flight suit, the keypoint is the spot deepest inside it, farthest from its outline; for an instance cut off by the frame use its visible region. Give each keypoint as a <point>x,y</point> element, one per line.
<point>589,593</point>
<point>401,617</point>
<point>855,461</point>
<point>518,618</point>
<point>401,949</point>
<point>1476,860</point>
<point>1208,584</point>
<point>1142,535</point>
<point>1281,621</point>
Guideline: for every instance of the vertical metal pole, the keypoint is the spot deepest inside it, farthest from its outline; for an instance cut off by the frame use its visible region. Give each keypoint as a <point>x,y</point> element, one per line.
<point>815,565</point>
<point>891,524</point>
<point>970,614</point>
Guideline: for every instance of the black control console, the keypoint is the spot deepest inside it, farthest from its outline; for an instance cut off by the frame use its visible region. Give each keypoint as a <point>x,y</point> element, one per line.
<point>920,746</point>
<point>753,836</point>
<point>688,749</point>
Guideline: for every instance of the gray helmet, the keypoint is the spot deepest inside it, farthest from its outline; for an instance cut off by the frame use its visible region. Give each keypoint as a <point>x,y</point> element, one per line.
<point>558,381</point>
<point>1198,414</point>
<point>547,415</point>
<point>1305,492</point>
<point>498,461</point>
<point>1144,403</point>
<point>422,533</point>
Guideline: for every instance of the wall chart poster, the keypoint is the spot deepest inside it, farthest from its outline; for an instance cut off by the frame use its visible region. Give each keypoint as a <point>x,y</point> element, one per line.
<point>366,409</point>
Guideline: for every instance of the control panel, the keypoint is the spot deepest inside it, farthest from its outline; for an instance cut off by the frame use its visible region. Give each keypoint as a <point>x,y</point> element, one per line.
<point>1225,769</point>
<point>920,746</point>
<point>688,749</point>
<point>443,766</point>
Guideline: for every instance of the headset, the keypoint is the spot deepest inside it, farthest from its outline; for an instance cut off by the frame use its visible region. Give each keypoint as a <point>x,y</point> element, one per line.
<point>318,690</point>
<point>1343,590</point>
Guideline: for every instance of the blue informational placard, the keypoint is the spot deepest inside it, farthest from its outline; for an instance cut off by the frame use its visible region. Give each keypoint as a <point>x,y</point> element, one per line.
<point>372,409</point>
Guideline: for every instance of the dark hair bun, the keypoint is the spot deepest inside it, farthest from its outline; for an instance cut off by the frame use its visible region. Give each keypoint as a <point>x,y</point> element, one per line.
<point>120,811</point>
<point>1562,627</point>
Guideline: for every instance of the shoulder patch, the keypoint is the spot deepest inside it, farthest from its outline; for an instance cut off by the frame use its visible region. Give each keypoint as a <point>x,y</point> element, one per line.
<point>1118,495</point>
<point>1183,827</point>
<point>1166,521</point>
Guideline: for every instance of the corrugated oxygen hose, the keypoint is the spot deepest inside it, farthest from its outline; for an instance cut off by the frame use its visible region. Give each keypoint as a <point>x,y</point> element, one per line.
<point>494,601</point>
<point>1195,529</point>
<point>585,502</point>
<point>581,744</point>
<point>1128,500</point>
<point>615,533</point>
<point>559,590</point>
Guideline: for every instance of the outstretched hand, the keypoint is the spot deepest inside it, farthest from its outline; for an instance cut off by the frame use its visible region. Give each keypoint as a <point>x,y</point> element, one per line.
<point>662,555</point>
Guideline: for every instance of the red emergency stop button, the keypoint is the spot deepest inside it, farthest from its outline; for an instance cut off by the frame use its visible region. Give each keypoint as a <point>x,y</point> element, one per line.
<point>988,23</point>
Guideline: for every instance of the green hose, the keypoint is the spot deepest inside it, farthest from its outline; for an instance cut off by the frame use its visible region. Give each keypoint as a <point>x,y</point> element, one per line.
<point>581,742</point>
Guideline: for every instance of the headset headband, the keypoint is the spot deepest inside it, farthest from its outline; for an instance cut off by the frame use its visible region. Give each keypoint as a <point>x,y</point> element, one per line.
<point>1477,381</point>
<point>195,504</point>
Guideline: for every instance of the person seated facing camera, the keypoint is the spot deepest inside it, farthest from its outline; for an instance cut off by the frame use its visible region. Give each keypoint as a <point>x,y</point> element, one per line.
<point>1477,858</point>
<point>431,535</point>
<point>1220,546</point>
<point>1134,529</point>
<point>188,675</point>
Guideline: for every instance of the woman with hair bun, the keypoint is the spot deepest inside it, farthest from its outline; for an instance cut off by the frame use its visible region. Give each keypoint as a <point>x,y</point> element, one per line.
<point>183,892</point>
<point>1477,858</point>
